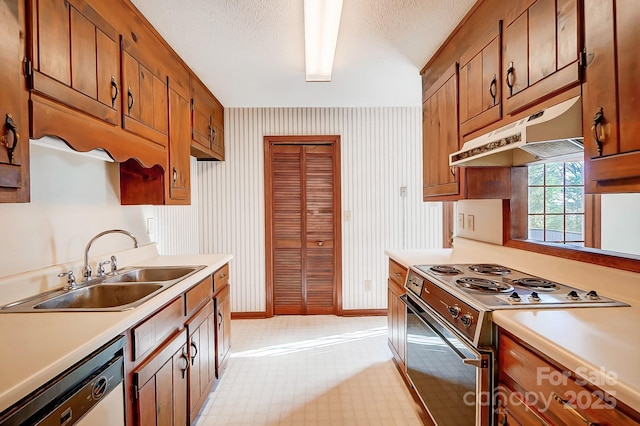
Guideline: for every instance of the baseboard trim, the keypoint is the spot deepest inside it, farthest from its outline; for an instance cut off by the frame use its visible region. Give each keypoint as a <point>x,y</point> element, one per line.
<point>364,312</point>
<point>248,315</point>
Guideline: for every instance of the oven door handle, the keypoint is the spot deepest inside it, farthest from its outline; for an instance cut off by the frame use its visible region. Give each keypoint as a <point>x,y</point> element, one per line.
<point>478,363</point>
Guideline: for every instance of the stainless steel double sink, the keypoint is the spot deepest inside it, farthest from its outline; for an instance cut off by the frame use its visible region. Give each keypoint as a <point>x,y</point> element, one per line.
<point>125,290</point>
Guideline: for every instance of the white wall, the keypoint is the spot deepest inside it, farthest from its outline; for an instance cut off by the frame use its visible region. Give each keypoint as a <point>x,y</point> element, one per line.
<point>620,224</point>
<point>176,228</point>
<point>72,199</point>
<point>380,152</point>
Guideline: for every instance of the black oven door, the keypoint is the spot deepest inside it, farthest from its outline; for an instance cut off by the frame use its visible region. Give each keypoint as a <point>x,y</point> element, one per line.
<point>447,373</point>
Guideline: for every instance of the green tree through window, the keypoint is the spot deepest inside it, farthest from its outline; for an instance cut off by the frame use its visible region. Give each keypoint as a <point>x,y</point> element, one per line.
<point>556,203</point>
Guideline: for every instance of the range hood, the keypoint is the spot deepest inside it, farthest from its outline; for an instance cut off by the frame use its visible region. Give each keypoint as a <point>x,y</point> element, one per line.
<point>555,132</point>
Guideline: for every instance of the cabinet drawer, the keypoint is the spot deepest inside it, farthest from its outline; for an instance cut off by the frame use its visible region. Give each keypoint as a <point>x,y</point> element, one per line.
<point>197,295</point>
<point>155,329</point>
<point>221,277</point>
<point>559,395</point>
<point>397,272</point>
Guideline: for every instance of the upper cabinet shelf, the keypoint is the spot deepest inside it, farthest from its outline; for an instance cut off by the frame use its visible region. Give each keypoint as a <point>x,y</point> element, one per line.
<point>14,114</point>
<point>97,75</point>
<point>517,58</point>
<point>541,52</point>
<point>611,106</point>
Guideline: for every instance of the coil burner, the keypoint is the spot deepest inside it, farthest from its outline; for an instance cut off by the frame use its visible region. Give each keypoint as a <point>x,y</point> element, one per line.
<point>489,269</point>
<point>483,285</point>
<point>445,270</point>
<point>536,283</point>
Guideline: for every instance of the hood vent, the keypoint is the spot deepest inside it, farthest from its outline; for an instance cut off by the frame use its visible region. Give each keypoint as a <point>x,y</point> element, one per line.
<point>552,133</point>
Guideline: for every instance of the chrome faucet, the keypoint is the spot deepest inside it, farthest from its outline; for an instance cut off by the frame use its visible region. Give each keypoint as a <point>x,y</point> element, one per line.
<point>86,270</point>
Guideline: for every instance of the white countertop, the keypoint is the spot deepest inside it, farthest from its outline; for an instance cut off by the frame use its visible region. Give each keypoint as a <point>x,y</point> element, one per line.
<point>38,346</point>
<point>601,344</point>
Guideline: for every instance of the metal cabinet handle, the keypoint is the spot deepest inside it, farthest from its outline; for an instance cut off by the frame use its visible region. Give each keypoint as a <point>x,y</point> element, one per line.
<point>5,141</point>
<point>222,275</point>
<point>320,243</point>
<point>185,357</point>
<point>195,348</point>
<point>114,91</point>
<point>220,318</point>
<point>130,99</point>
<point>511,76</point>
<point>571,409</point>
<point>493,88</point>
<point>175,175</point>
<point>453,171</point>
<point>598,129</point>
<point>397,274</point>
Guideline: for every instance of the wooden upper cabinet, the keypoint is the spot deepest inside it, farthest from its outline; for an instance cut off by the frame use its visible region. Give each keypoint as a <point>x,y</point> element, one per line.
<point>440,138</point>
<point>611,107</point>
<point>480,83</point>
<point>144,86</point>
<point>76,58</point>
<point>14,114</point>
<point>179,183</point>
<point>541,52</point>
<point>207,121</point>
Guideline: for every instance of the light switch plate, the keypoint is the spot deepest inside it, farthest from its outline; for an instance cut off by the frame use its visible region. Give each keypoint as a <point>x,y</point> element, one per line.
<point>470,222</point>
<point>460,220</point>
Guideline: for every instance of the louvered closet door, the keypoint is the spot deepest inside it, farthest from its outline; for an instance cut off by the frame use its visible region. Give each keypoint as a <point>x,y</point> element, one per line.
<point>288,295</point>
<point>319,228</point>
<point>303,229</point>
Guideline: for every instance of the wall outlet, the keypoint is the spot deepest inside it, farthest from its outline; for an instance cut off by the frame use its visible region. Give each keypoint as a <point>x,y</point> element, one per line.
<point>470,222</point>
<point>460,220</point>
<point>367,285</point>
<point>151,226</point>
<point>403,191</point>
<point>347,215</point>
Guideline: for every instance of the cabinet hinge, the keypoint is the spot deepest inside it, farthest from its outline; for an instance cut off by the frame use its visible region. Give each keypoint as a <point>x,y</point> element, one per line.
<point>583,58</point>
<point>135,392</point>
<point>28,67</point>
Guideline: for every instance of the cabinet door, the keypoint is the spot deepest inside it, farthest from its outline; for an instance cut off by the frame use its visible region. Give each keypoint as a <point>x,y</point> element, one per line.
<point>207,120</point>
<point>14,115</point>
<point>611,106</point>
<point>480,79</point>
<point>179,142</point>
<point>440,138</point>
<point>541,52</point>
<point>223,330</point>
<point>161,383</point>
<point>513,411</point>
<point>144,86</point>
<point>201,353</point>
<point>75,56</point>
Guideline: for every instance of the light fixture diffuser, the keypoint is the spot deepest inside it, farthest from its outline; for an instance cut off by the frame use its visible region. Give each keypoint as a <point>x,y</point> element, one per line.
<point>321,25</point>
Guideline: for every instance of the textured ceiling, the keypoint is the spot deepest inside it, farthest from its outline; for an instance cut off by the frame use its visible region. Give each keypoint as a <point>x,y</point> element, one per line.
<point>250,53</point>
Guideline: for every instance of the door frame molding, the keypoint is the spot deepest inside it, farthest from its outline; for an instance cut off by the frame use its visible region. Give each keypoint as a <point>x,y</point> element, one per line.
<point>333,140</point>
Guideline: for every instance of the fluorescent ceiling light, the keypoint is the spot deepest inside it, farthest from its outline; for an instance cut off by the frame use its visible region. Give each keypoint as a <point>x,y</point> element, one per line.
<point>321,25</point>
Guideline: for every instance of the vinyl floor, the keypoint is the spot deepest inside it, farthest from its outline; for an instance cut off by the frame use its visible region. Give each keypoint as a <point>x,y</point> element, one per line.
<point>310,370</point>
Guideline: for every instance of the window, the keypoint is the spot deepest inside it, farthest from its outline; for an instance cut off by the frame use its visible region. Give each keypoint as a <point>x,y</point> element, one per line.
<point>556,203</point>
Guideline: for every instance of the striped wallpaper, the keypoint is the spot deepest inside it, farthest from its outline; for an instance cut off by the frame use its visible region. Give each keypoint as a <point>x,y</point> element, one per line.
<point>381,152</point>
<point>177,226</point>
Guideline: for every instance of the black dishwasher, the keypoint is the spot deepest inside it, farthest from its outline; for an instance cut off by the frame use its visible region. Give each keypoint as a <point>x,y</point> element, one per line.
<point>69,396</point>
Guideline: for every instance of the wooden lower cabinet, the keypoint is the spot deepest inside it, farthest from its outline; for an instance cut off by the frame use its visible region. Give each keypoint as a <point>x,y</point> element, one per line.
<point>175,356</point>
<point>202,357</point>
<point>223,329</point>
<point>532,390</point>
<point>160,385</point>
<point>397,313</point>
